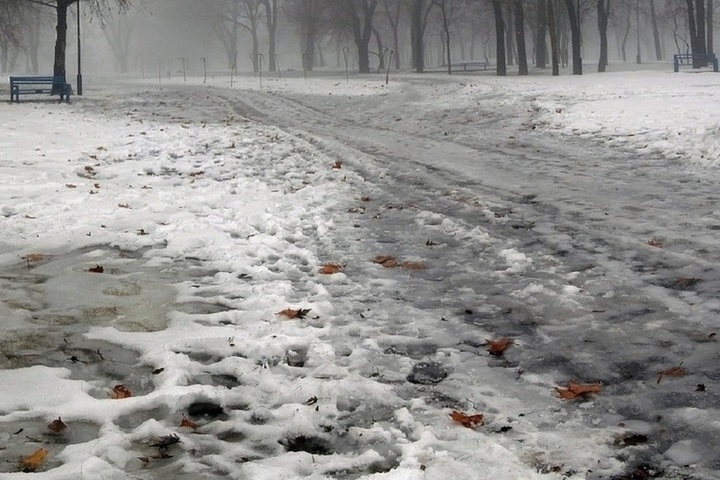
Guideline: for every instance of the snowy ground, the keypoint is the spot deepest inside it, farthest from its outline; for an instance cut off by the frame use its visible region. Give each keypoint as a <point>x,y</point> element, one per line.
<point>576,216</point>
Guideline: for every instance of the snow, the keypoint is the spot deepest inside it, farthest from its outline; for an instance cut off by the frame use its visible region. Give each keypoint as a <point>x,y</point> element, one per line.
<point>526,204</point>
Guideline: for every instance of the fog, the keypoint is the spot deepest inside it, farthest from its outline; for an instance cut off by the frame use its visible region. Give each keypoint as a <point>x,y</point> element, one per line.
<point>168,38</point>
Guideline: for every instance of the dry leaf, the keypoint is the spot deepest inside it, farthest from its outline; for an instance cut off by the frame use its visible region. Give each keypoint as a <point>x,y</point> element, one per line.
<point>96,269</point>
<point>291,313</point>
<point>189,424</point>
<point>34,257</point>
<point>337,165</point>
<point>70,185</point>
<point>575,390</point>
<point>654,242</point>
<point>685,282</point>
<point>386,261</point>
<point>119,392</point>
<point>57,426</point>
<point>123,205</point>
<point>331,268</point>
<point>498,347</point>
<point>469,421</point>
<point>366,199</point>
<point>672,372</point>
<point>32,462</point>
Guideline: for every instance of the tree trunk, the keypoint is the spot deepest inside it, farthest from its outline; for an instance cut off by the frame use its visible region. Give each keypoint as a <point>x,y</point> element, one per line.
<point>271,16</point>
<point>446,32</point>
<point>602,15</point>
<point>417,34</point>
<point>710,47</point>
<point>656,32</point>
<point>60,44</point>
<point>541,54</point>
<point>553,39</point>
<point>499,38</point>
<point>520,37</point>
<point>509,34</point>
<point>574,16</point>
<point>381,50</point>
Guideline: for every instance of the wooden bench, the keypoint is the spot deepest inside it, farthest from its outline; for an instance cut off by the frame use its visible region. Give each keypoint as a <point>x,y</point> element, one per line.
<point>37,85</point>
<point>473,66</point>
<point>693,59</point>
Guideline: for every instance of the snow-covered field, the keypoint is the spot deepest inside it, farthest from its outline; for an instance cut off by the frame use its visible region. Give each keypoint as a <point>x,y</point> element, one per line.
<point>158,238</point>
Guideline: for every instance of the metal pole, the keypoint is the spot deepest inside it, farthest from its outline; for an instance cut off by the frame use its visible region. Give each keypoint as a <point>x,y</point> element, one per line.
<point>79,69</point>
<point>637,18</point>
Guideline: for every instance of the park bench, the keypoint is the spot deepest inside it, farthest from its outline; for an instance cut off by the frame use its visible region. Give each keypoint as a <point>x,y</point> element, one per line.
<point>692,59</point>
<point>37,85</point>
<point>473,66</point>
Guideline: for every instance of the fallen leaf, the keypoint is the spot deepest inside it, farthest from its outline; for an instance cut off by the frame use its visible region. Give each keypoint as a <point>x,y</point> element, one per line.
<point>32,462</point>
<point>654,242</point>
<point>188,423</point>
<point>366,199</point>
<point>96,269</point>
<point>70,185</point>
<point>119,392</point>
<point>330,268</point>
<point>386,261</point>
<point>498,347</point>
<point>123,205</point>
<point>575,390</point>
<point>34,257</point>
<point>291,313</point>
<point>685,282</point>
<point>196,174</point>
<point>676,372</point>
<point>57,426</point>
<point>468,421</point>
<point>337,165</point>
<point>311,401</point>
<point>142,232</point>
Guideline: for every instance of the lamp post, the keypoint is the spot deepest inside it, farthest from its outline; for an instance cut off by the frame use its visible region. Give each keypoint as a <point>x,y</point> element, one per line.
<point>79,67</point>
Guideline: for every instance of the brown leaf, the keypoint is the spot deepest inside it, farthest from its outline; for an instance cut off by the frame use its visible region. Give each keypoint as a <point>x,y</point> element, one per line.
<point>676,372</point>
<point>70,185</point>
<point>196,174</point>
<point>330,268</point>
<point>32,462</point>
<point>575,390</point>
<point>337,165</point>
<point>386,261</point>
<point>468,421</point>
<point>119,392</point>
<point>292,313</point>
<point>366,199</point>
<point>96,269</point>
<point>34,257</point>
<point>123,205</point>
<point>498,347</point>
<point>654,242</point>
<point>685,282</point>
<point>57,426</point>
<point>188,423</point>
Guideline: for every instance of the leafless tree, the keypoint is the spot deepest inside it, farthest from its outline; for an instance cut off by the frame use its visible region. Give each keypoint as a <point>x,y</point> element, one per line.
<point>61,7</point>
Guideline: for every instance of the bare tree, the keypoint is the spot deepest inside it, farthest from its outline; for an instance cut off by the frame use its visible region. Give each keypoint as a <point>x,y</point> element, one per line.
<point>359,17</point>
<point>393,8</point>
<point>573,10</point>
<point>603,13</point>
<point>310,18</point>
<point>419,13</point>
<point>519,15</point>
<point>499,38</point>
<point>97,7</point>
<point>271,21</point>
